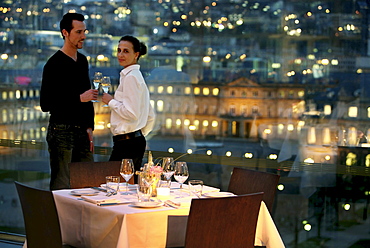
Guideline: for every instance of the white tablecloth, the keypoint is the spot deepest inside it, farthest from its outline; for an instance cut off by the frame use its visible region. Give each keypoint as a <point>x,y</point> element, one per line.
<point>85,224</point>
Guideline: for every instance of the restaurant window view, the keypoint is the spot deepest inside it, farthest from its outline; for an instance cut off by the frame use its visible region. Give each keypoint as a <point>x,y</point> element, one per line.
<point>273,86</point>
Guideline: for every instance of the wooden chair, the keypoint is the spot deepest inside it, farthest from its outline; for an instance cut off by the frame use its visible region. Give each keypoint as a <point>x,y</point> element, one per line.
<point>40,217</point>
<point>92,174</point>
<point>244,181</point>
<point>223,222</point>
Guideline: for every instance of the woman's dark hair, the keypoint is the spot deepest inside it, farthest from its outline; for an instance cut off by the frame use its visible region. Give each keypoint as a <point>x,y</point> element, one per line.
<point>138,45</point>
<point>67,21</point>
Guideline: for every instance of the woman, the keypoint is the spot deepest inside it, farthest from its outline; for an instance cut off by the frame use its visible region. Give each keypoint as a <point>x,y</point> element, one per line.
<point>132,116</point>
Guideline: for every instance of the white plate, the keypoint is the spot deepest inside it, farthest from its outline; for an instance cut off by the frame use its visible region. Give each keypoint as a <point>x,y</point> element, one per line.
<point>84,192</point>
<point>147,204</point>
<point>218,194</point>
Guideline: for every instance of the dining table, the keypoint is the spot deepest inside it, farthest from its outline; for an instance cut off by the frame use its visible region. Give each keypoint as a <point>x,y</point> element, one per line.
<point>120,221</point>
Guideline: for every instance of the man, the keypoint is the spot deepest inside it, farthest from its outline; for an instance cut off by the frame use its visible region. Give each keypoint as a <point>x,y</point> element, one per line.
<point>66,93</point>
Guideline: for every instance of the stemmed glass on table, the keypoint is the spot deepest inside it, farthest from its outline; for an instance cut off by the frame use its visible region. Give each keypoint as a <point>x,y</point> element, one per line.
<point>181,173</point>
<point>168,167</point>
<point>127,170</point>
<point>96,81</point>
<point>105,85</point>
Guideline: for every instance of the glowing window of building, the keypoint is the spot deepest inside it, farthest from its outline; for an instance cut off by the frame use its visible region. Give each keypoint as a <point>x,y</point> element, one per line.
<point>214,123</point>
<point>5,134</point>
<point>160,89</point>
<point>367,160</point>
<point>215,91</point>
<point>351,159</point>
<point>24,94</point>
<point>4,95</point>
<point>25,115</point>
<point>19,115</point>
<point>25,136</point>
<point>17,94</point>
<point>32,133</point>
<point>178,123</point>
<point>327,110</point>
<point>281,94</point>
<point>255,110</point>
<point>186,122</point>
<point>187,91</point>
<point>206,91</point>
<point>234,126</point>
<point>243,110</point>
<point>31,93</point>
<point>169,90</point>
<point>280,128</point>
<point>196,91</point>
<point>38,134</point>
<point>291,94</point>
<point>301,93</point>
<point>160,106</point>
<point>352,111</point>
<point>232,110</point>
<point>32,115</point>
<point>196,123</point>
<point>151,89</point>
<point>205,123</point>
<point>11,95</point>
<point>12,135</point>
<point>368,112</point>
<point>5,116</point>
<point>168,123</point>
<point>290,127</point>
<point>37,93</point>
<point>11,115</point>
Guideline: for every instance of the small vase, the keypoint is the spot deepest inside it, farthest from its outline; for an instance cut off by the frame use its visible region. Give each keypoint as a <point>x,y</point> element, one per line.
<point>154,185</point>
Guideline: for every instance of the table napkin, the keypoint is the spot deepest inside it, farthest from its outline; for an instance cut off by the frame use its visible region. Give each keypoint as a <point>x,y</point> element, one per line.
<point>97,199</point>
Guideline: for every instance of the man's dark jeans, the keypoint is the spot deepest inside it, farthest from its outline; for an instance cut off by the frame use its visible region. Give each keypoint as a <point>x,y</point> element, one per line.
<point>67,143</point>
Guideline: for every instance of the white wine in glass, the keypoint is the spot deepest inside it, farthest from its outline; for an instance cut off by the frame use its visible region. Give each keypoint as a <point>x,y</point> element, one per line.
<point>96,81</point>
<point>105,85</point>
<point>127,170</point>
<point>181,173</point>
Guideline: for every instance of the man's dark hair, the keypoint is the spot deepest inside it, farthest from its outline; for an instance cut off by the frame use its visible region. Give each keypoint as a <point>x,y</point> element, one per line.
<point>67,20</point>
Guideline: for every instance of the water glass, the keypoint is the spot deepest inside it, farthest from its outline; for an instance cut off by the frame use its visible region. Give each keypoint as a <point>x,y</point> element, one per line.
<point>144,192</point>
<point>196,187</point>
<point>112,183</point>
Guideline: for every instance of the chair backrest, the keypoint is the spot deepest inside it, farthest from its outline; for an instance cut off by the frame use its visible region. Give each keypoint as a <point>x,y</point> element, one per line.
<point>244,181</point>
<point>92,174</point>
<point>40,217</point>
<point>223,222</point>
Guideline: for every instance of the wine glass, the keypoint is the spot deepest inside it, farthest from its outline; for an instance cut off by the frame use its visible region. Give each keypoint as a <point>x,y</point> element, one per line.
<point>105,85</point>
<point>181,173</point>
<point>127,170</point>
<point>168,167</point>
<point>96,81</point>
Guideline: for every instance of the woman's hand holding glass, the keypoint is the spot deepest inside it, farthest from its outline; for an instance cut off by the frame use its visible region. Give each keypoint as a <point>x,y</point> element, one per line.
<point>105,85</point>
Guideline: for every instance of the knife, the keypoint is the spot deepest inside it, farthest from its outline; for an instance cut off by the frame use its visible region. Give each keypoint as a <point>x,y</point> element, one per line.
<point>112,203</point>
